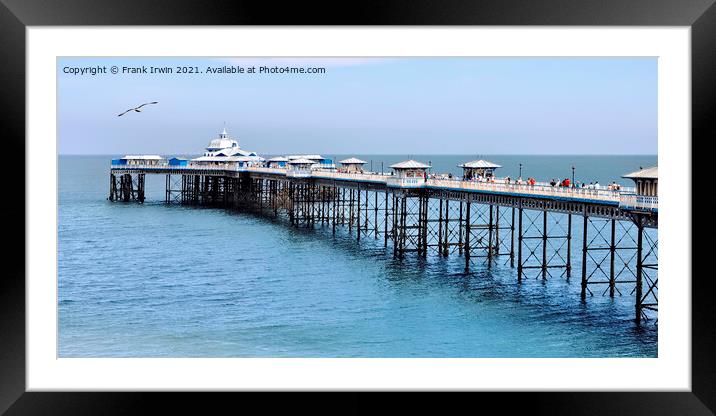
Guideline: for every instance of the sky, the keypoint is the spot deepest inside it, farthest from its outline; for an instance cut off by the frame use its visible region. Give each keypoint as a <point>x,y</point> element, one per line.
<point>363,106</point>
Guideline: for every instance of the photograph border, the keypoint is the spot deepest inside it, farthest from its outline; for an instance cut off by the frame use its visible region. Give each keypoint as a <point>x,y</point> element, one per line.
<point>16,15</point>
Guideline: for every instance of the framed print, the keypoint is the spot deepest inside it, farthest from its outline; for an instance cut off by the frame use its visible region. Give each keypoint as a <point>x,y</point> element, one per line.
<point>429,202</point>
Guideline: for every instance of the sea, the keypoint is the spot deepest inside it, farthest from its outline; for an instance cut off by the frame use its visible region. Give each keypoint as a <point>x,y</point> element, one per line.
<point>158,280</point>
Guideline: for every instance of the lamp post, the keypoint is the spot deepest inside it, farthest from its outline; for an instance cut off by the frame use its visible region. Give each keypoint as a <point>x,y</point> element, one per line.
<point>572,175</point>
<point>381,168</point>
<point>520,171</point>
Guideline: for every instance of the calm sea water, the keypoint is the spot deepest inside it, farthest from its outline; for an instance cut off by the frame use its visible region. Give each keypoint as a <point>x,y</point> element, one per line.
<point>168,281</point>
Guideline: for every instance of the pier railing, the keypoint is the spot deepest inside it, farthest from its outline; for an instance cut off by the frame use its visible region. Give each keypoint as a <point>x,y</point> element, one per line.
<point>537,190</point>
<point>294,173</point>
<point>260,169</point>
<point>642,202</point>
<point>370,177</point>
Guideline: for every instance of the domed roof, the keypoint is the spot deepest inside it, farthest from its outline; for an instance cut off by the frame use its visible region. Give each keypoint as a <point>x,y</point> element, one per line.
<point>222,142</point>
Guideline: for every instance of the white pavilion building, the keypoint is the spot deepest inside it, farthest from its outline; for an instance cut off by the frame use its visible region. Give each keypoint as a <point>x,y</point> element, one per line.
<point>223,150</point>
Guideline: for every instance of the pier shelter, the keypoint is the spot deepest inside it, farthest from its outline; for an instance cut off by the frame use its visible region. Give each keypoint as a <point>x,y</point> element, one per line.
<point>409,174</point>
<point>352,165</point>
<point>478,169</point>
<point>646,180</point>
<point>646,197</point>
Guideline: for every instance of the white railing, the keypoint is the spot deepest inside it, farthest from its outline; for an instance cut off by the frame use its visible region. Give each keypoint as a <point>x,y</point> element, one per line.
<point>298,173</point>
<point>634,201</point>
<point>415,182</point>
<point>259,169</point>
<point>374,177</point>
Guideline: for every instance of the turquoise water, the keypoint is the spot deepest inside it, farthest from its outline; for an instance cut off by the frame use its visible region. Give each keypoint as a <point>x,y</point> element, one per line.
<point>168,281</point>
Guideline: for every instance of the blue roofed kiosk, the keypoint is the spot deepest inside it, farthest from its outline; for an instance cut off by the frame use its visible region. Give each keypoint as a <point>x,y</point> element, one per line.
<point>178,161</point>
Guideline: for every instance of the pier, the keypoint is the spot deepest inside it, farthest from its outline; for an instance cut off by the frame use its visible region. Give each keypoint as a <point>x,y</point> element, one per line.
<point>487,222</point>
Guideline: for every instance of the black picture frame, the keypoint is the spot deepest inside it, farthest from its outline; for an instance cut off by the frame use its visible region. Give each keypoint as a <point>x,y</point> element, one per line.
<point>16,15</point>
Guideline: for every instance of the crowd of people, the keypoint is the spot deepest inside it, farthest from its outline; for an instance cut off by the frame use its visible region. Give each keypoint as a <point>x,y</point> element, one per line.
<point>530,181</point>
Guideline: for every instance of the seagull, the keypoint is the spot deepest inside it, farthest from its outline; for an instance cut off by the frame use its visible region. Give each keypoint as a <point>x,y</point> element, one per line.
<point>137,109</point>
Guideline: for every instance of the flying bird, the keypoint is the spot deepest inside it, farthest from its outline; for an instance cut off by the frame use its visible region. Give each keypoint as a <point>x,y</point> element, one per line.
<point>137,109</point>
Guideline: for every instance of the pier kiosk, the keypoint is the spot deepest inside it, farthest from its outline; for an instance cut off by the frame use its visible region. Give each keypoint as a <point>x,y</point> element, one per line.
<point>300,168</point>
<point>277,162</point>
<point>478,169</point>
<point>646,196</point>
<point>179,162</point>
<point>409,174</point>
<point>352,165</point>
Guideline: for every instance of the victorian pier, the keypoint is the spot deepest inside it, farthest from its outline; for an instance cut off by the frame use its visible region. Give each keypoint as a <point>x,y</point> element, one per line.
<point>484,220</point>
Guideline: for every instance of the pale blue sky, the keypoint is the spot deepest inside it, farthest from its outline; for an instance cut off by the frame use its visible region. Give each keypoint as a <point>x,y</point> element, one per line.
<point>367,106</point>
